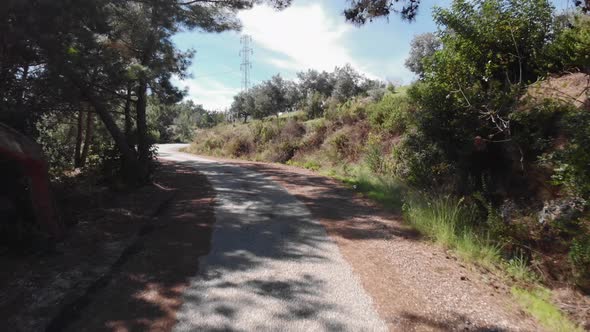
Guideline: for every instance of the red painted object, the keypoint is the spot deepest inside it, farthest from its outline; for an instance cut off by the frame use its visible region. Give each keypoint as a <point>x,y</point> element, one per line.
<point>28,157</point>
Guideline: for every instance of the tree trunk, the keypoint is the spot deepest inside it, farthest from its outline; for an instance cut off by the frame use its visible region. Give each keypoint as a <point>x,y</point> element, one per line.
<point>128,120</point>
<point>141,123</point>
<point>143,144</point>
<point>79,134</point>
<point>27,122</point>
<point>88,138</point>
<point>131,170</point>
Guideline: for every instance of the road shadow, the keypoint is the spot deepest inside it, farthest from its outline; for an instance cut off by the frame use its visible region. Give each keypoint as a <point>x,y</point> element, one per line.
<point>340,208</point>
<point>143,291</point>
<point>268,264</point>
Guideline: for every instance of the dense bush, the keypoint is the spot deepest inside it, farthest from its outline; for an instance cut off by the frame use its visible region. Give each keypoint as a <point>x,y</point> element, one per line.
<point>572,46</point>
<point>535,129</point>
<point>316,134</point>
<point>264,131</point>
<point>391,113</point>
<point>579,256</point>
<point>239,146</point>
<point>314,105</point>
<point>280,152</point>
<point>422,163</point>
<point>374,155</point>
<point>571,162</point>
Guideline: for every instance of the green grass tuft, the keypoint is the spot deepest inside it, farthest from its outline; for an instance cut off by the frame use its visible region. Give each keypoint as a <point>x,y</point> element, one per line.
<point>387,191</point>
<point>518,267</point>
<point>538,303</point>
<point>448,221</point>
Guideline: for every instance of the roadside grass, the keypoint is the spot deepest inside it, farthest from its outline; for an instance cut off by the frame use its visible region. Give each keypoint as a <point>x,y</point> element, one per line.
<point>385,190</point>
<point>538,303</point>
<point>449,222</point>
<point>518,268</point>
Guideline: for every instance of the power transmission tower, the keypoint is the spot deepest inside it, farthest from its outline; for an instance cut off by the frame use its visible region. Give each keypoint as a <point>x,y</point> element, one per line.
<point>246,65</point>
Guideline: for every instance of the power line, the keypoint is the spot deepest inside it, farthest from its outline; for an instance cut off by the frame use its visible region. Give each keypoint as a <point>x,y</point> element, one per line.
<point>246,65</point>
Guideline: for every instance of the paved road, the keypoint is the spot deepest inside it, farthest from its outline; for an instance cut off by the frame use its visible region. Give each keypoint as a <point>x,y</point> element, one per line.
<point>271,266</point>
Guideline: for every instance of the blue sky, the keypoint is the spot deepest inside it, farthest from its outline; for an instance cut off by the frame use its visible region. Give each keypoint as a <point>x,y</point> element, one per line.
<point>309,34</point>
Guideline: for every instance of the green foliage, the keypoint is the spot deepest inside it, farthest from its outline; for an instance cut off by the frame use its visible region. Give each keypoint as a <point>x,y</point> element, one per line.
<point>538,303</point>
<point>314,105</point>
<point>579,257</point>
<point>178,122</point>
<point>312,165</point>
<point>421,163</point>
<point>471,87</point>
<point>391,113</point>
<point>265,131</point>
<point>58,138</point>
<point>519,268</point>
<point>213,143</point>
<point>450,222</point>
<point>239,146</point>
<point>535,129</point>
<point>422,47</point>
<point>346,83</point>
<point>384,189</point>
<point>281,152</point>
<point>493,39</point>
<point>571,164</point>
<point>571,48</point>
<point>348,112</point>
<point>340,143</point>
<point>373,155</point>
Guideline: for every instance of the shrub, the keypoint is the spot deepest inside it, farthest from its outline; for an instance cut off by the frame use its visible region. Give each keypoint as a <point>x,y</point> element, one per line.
<point>292,131</point>
<point>281,152</point>
<point>374,158</point>
<point>450,222</point>
<point>352,111</point>
<point>341,144</point>
<point>571,164</point>
<point>316,135</point>
<point>377,94</point>
<point>314,105</point>
<point>312,165</point>
<point>239,146</point>
<point>421,163</point>
<point>579,257</point>
<point>348,112</point>
<point>265,131</point>
<point>535,129</point>
<point>390,114</point>
<point>213,143</point>
<point>571,47</point>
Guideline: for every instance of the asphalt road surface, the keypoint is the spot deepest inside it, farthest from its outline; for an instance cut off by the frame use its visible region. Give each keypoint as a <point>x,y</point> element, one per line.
<point>271,265</point>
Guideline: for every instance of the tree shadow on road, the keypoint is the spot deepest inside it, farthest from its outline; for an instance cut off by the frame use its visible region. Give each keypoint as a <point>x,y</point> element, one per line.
<point>343,211</point>
<point>144,288</point>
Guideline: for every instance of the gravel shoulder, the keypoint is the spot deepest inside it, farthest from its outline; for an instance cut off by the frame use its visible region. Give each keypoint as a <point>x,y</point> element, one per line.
<point>415,285</point>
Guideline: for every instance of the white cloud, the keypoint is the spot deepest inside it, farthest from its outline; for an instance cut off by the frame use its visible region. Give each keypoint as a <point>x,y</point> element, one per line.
<point>210,93</point>
<point>305,35</point>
